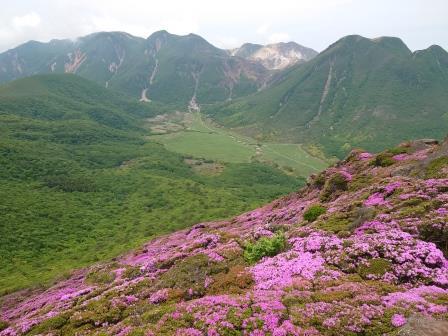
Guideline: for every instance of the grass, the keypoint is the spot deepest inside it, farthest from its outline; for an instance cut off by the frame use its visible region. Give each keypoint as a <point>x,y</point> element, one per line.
<point>213,146</point>
<point>293,155</point>
<point>204,140</point>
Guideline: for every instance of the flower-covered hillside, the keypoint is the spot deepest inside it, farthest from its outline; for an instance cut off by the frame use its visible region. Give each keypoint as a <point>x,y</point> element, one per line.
<point>362,250</point>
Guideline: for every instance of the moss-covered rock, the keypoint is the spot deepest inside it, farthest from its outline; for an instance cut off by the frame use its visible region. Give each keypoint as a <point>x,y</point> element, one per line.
<point>131,272</point>
<point>97,312</point>
<point>335,223</point>
<point>360,182</point>
<point>100,276</point>
<point>331,296</point>
<point>191,273</point>
<point>376,267</point>
<point>155,313</point>
<point>235,281</point>
<point>436,167</point>
<point>336,182</point>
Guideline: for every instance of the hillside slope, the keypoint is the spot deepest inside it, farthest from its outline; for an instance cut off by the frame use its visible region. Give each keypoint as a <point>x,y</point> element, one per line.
<point>360,251</point>
<point>80,182</point>
<point>372,93</point>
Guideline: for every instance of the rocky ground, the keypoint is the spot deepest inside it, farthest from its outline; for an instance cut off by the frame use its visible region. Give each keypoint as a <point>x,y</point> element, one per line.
<point>360,251</point>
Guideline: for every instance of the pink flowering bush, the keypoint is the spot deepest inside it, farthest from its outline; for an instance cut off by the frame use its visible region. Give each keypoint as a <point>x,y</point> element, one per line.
<point>374,258</point>
<point>398,320</point>
<point>365,156</point>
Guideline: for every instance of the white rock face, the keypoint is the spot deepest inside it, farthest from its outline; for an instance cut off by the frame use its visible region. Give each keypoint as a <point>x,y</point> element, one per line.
<point>275,56</point>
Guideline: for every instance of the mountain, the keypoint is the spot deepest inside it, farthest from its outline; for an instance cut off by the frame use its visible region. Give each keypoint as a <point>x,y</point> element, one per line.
<point>275,56</point>
<point>361,251</point>
<point>80,181</point>
<point>164,67</point>
<point>363,92</point>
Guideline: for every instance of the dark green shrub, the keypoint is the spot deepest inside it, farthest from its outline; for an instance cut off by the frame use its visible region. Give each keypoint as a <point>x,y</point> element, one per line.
<point>436,233</point>
<point>399,150</point>
<point>265,246</point>
<point>319,181</point>
<point>337,182</point>
<point>3,325</point>
<point>313,212</point>
<point>383,160</point>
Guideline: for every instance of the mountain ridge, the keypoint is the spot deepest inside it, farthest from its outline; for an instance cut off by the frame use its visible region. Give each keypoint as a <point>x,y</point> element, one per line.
<point>373,83</point>
<point>163,67</point>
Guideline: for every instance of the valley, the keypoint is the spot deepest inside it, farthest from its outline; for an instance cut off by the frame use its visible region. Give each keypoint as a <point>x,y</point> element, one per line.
<point>167,186</point>
<point>194,135</point>
<point>82,183</point>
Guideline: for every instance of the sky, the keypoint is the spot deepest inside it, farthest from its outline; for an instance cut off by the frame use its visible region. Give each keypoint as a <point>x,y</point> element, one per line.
<point>229,23</point>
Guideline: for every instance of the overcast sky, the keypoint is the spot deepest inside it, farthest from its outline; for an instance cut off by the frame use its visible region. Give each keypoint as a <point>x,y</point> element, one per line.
<point>229,23</point>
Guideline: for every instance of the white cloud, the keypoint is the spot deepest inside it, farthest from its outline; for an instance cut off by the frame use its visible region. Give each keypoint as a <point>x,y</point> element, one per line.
<point>26,21</point>
<point>279,37</point>
<point>228,42</point>
<point>263,29</point>
<point>314,23</point>
<point>181,25</point>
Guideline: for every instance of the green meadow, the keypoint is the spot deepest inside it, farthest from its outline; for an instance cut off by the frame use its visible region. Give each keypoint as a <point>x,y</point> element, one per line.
<point>202,139</point>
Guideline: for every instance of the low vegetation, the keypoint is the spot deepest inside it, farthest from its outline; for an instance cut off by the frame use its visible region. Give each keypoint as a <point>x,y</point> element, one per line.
<point>79,183</point>
<point>265,246</point>
<point>313,212</point>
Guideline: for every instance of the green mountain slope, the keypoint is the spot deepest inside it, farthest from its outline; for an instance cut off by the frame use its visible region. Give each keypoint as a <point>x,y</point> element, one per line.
<point>79,183</point>
<point>358,92</point>
<point>164,67</point>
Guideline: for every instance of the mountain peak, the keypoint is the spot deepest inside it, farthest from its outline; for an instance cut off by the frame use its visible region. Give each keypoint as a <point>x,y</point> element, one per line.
<point>275,56</point>
<point>435,48</point>
<point>392,42</point>
<point>159,33</point>
<point>350,43</point>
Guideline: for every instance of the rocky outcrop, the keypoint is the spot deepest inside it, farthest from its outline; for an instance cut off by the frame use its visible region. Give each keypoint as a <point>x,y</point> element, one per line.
<point>275,56</point>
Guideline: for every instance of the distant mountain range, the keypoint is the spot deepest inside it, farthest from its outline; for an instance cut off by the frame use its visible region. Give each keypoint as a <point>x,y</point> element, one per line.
<point>164,67</point>
<point>358,92</point>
